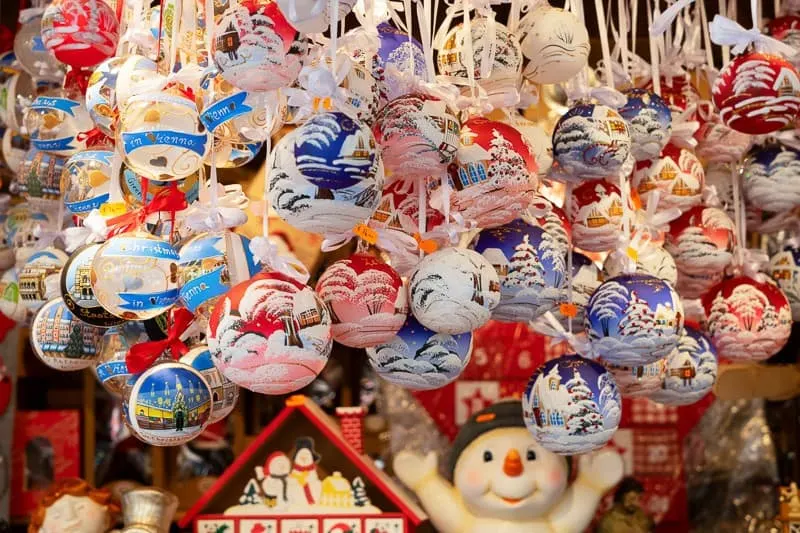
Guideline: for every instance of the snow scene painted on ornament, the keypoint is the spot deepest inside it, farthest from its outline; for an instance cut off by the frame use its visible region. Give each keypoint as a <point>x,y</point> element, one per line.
<point>596,215</point>
<point>256,46</point>
<point>309,207</point>
<point>637,381</point>
<point>690,371</point>
<point>634,318</point>
<point>572,405</point>
<point>701,241</point>
<point>80,27</point>
<point>649,121</point>
<point>748,321</point>
<point>366,299</point>
<point>770,178</point>
<point>453,290</point>
<point>495,177</point>
<point>420,359</point>
<point>270,334</point>
<point>591,141</point>
<point>76,288</point>
<point>531,264</point>
<point>785,270</point>
<point>757,93</point>
<point>399,209</point>
<point>676,174</point>
<point>398,51</point>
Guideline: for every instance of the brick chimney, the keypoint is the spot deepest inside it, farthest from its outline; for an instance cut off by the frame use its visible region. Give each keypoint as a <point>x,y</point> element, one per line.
<point>352,425</point>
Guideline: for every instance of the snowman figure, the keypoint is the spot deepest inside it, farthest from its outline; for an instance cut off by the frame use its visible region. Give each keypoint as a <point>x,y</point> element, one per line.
<point>274,479</point>
<point>304,484</point>
<point>504,481</point>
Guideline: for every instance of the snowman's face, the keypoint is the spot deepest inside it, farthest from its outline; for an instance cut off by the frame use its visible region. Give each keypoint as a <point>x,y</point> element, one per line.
<point>506,474</point>
<point>280,466</point>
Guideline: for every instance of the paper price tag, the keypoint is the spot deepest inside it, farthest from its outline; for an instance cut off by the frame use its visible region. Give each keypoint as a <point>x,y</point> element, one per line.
<point>113,209</point>
<point>569,310</point>
<point>365,233</point>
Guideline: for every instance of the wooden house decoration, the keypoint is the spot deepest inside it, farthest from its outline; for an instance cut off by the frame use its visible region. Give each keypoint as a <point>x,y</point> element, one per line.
<point>789,511</point>
<point>306,474</point>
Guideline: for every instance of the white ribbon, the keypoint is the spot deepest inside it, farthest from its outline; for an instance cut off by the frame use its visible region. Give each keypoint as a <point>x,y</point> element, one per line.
<point>407,82</point>
<point>750,262</point>
<point>683,130</point>
<point>94,229</point>
<point>451,230</point>
<point>389,240</point>
<point>626,243</point>
<point>656,222</point>
<point>202,218</point>
<point>267,254</point>
<point>140,37</point>
<point>605,95</point>
<point>711,196</point>
<point>29,14</point>
<point>581,345</point>
<point>665,19</point>
<point>318,82</point>
<point>727,32</point>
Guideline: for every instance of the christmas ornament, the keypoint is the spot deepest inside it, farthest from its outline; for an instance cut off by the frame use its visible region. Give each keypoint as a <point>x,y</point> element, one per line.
<point>571,405</point>
<point>270,334</point>
<point>495,175</point>
<point>39,176</point>
<point>591,141</point>
<point>131,185</point>
<point>769,175</point>
<point>135,276</point>
<point>586,278</point>
<point>62,341</point>
<point>649,122</point>
<point>255,48</point>
<point>757,93</point>
<point>634,319</point>
<point>556,45</point>
<point>453,291</point>
<point>420,359</point>
<point>786,29</point>
<point>31,53</point>
<point>677,91</point>
<point>676,174</point>
<point>313,16</point>
<point>236,116</point>
<point>224,393</point>
<point>366,299</point>
<point>748,320</point>
<point>135,75</point>
<point>418,136</point>
<point>399,209</point>
<point>596,215</point>
<point>101,98</point>
<point>11,304</point>
<point>15,147</point>
<point>55,123</point>
<point>636,381</point>
<point>76,289</point>
<point>86,180</point>
<point>19,88</point>
<point>80,33</point>
<point>110,367</point>
<point>716,142</point>
<point>783,267</point>
<point>539,143</point>
<point>399,56</point>
<point>696,285</point>
<point>690,371</point>
<point>168,405</point>
<point>650,259</point>
<point>701,241</point>
<point>39,275</point>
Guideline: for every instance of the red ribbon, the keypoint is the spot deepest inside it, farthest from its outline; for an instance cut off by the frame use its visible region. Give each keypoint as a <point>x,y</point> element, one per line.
<point>170,199</point>
<point>142,355</point>
<point>94,137</point>
<point>78,79</point>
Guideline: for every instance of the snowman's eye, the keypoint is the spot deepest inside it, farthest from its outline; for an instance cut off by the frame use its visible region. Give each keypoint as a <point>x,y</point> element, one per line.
<point>531,455</point>
<point>487,456</point>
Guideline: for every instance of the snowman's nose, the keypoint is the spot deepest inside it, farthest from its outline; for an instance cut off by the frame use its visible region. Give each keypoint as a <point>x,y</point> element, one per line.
<point>512,465</point>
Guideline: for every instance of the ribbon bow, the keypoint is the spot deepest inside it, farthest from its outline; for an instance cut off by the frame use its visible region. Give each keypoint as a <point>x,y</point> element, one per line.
<point>629,250</point>
<point>267,253</point>
<point>227,213</point>
<point>750,262</point>
<point>143,354</point>
<point>605,95</point>
<point>683,129</point>
<point>391,241</point>
<point>320,88</point>
<point>581,345</point>
<point>94,137</point>
<point>407,82</point>
<point>727,32</point>
<point>167,200</point>
<point>711,196</point>
<point>94,229</point>
<point>654,222</point>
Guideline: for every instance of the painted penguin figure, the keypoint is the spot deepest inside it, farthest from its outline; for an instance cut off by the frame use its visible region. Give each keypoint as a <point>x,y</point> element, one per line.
<point>505,482</point>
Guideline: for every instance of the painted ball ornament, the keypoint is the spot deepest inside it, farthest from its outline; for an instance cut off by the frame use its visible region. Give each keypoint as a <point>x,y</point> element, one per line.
<point>748,320</point>
<point>39,176</point>
<point>32,55</point>
<point>783,267</point>
<point>80,34</point>
<point>769,178</point>
<point>556,45</point>
<point>366,298</point>
<point>18,88</point>
<point>224,393</point>
<point>54,124</point>
<point>135,75</point>
<point>690,371</point>
<point>86,181</point>
<point>596,215</point>
<point>39,276</point>
<point>225,154</point>
<point>398,52</point>
<point>15,147</point>
<point>572,405</point>
<point>453,291</point>
<point>649,121</point>
<point>233,115</point>
<point>716,142</point>
<point>313,16</point>
<point>76,289</point>
<point>757,93</point>
<point>634,319</point>
<point>110,367</point>
<point>650,259</point>
<point>62,341</point>
<point>135,276</point>
<point>417,358</point>
<point>11,304</point>
<point>101,97</point>
<point>677,91</point>
<point>701,241</point>
<point>786,29</point>
<point>677,174</point>
<point>131,185</point>
<point>539,142</point>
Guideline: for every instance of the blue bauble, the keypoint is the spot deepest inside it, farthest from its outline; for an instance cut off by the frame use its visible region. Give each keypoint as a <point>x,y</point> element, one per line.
<point>649,121</point>
<point>770,178</point>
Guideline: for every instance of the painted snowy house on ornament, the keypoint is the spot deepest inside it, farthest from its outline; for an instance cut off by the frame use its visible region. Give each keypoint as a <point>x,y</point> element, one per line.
<point>306,474</point>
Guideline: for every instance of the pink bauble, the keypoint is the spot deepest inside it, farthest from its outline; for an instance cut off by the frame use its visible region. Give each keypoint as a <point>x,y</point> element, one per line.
<point>80,33</point>
<point>748,320</point>
<point>270,334</point>
<point>676,174</point>
<point>716,142</point>
<point>701,241</point>
<point>757,93</point>
<point>596,215</point>
<point>366,299</point>
<point>494,178</point>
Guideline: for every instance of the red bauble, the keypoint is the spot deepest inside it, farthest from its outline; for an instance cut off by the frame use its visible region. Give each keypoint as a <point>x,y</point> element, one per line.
<point>701,241</point>
<point>748,320</point>
<point>677,92</point>
<point>596,215</point>
<point>677,174</point>
<point>786,29</point>
<point>80,33</point>
<point>366,298</point>
<point>757,93</point>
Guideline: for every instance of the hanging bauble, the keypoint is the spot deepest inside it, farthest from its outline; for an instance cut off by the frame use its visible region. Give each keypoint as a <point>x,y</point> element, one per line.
<point>313,16</point>
<point>572,405</point>
<point>15,148</point>
<point>531,264</point>
<point>783,267</point>
<point>210,264</point>
<point>60,340</point>
<point>496,59</point>
<point>161,137</point>
<point>769,177</point>
<point>32,54</point>
<point>224,393</point>
<point>676,174</point>
<point>24,236</point>
<point>649,122</point>
<point>591,141</point>
<point>39,276</point>
<point>39,176</point>
<point>169,405</point>
<point>400,52</point>
<point>110,367</point>
<point>80,33</point>
<point>399,209</point>
<point>748,320</point>
<point>690,371</point>
<point>101,99</point>
<point>786,29</point>
<point>418,136</point>
<point>255,47</point>
<point>701,241</point>
<point>366,299</point>
<point>270,334</point>
<point>696,285</point>
<point>495,175</point>
<point>231,155</point>
<point>86,181</point>
<point>634,319</point>
<point>131,185</point>
<point>453,291</point>
<point>11,304</point>
<point>55,124</point>
<point>420,359</point>
<point>716,142</point>
<point>677,91</point>
<point>539,142</point>
<point>237,116</point>
<point>135,276</point>
<point>636,381</point>
<point>136,75</point>
<point>76,289</point>
<point>596,215</point>
<point>326,176</point>
<point>7,254</point>
<point>650,259</point>
<point>757,93</point>
<point>18,87</point>
<point>556,45</point>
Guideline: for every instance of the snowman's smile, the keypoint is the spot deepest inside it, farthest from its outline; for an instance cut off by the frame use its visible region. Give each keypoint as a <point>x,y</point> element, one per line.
<point>507,500</point>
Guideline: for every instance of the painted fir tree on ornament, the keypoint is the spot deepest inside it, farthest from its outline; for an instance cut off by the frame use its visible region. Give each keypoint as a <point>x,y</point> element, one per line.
<point>649,121</point>
<point>770,179</point>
